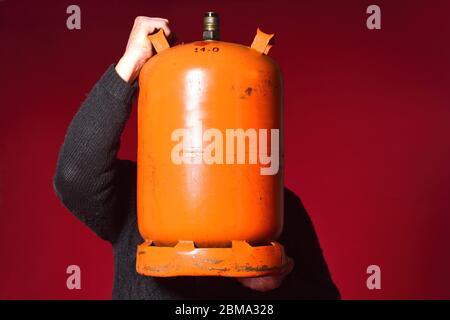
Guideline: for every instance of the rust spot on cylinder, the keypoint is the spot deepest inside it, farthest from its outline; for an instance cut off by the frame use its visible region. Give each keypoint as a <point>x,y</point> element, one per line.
<point>202,43</point>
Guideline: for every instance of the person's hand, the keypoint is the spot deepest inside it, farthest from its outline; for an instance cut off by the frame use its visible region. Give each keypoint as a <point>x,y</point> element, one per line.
<point>139,48</point>
<point>270,282</point>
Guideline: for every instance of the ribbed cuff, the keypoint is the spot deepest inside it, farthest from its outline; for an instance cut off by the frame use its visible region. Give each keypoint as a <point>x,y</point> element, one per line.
<point>116,86</point>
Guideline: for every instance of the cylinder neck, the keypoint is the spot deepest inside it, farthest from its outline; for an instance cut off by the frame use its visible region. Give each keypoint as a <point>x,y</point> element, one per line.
<point>211,28</point>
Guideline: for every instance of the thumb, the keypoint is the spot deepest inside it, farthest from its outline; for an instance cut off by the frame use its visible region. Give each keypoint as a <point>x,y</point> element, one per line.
<point>288,267</point>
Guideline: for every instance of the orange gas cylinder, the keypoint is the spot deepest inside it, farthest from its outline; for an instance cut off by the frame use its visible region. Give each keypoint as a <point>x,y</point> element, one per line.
<point>210,158</point>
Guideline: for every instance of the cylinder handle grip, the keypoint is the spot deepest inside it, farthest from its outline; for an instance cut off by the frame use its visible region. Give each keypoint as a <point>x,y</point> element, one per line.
<point>159,41</point>
<point>261,42</point>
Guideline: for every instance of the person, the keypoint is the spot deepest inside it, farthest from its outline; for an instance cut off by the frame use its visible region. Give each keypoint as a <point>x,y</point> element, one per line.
<point>100,190</point>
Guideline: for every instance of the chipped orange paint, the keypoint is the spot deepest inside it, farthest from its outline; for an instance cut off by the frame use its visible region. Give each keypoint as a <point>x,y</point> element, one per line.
<point>240,260</point>
<point>200,219</point>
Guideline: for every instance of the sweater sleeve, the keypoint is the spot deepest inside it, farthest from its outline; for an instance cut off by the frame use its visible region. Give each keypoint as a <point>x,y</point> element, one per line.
<point>89,177</point>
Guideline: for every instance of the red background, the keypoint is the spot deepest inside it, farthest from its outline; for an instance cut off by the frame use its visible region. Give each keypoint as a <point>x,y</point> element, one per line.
<point>367,133</point>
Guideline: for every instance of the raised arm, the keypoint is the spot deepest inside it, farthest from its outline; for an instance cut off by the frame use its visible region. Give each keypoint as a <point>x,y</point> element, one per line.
<point>89,178</point>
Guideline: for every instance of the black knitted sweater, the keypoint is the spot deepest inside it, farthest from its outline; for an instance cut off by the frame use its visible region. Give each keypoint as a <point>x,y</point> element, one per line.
<point>100,190</point>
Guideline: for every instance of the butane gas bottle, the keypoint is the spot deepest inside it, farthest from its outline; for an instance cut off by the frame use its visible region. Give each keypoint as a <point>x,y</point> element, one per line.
<point>210,158</point>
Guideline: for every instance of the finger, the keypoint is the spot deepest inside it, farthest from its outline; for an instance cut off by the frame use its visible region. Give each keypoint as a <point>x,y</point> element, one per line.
<point>287,268</point>
<point>270,282</point>
<point>161,19</point>
<point>142,19</point>
<point>165,27</point>
<point>262,284</point>
<point>151,26</point>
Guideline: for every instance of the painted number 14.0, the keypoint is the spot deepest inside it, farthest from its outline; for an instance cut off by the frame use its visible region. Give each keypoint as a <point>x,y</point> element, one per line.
<point>203,49</point>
